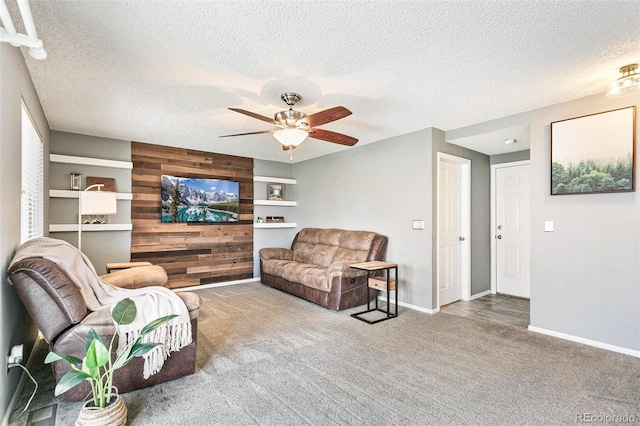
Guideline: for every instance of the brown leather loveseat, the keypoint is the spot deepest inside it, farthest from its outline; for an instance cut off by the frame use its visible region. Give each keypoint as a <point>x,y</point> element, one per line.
<point>317,267</point>
<point>60,312</point>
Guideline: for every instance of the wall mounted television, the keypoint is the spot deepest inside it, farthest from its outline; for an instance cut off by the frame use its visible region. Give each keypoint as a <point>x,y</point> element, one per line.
<point>188,199</point>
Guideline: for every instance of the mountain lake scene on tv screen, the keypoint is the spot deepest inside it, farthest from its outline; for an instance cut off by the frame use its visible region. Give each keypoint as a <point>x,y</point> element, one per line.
<point>199,200</point>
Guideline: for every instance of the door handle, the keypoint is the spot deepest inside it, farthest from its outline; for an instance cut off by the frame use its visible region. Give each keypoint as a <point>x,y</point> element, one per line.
<point>499,237</point>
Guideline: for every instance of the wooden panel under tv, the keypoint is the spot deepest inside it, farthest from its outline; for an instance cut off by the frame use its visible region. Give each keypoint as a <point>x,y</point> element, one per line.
<point>192,253</point>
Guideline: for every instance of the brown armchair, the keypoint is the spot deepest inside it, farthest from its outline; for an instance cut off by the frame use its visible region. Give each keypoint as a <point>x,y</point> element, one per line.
<point>61,314</point>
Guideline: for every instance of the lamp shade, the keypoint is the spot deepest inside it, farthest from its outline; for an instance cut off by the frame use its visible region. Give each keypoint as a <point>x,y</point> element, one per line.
<point>98,202</point>
<point>290,137</point>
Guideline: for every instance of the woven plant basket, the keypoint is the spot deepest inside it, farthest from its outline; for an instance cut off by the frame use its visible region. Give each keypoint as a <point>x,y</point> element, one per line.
<point>114,414</point>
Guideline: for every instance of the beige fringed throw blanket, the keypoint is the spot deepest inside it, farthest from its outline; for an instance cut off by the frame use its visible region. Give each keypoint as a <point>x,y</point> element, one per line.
<point>152,302</point>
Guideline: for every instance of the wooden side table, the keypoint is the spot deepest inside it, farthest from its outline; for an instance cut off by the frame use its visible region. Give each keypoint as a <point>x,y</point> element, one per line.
<point>379,283</point>
<point>116,266</point>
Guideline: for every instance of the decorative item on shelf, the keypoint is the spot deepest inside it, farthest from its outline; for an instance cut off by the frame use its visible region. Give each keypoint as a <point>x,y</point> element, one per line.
<point>94,219</point>
<point>260,219</point>
<point>106,407</point>
<point>94,203</point>
<point>275,192</point>
<point>593,153</point>
<point>75,181</point>
<point>275,219</point>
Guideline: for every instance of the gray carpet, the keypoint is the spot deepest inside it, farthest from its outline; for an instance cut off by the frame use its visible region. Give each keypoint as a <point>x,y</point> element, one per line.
<point>267,358</point>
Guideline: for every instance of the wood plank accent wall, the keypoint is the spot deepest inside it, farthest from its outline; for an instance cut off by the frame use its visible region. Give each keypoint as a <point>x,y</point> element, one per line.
<point>192,253</point>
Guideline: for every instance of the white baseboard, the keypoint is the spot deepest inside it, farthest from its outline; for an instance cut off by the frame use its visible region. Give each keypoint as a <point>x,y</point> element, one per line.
<point>584,341</point>
<point>410,306</point>
<point>479,295</point>
<point>213,285</point>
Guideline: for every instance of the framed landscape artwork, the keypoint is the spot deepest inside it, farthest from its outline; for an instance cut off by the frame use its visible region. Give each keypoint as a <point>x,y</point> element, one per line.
<point>594,153</point>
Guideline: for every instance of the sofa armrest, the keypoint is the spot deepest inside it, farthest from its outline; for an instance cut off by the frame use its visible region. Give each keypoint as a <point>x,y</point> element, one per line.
<point>142,276</point>
<point>276,253</point>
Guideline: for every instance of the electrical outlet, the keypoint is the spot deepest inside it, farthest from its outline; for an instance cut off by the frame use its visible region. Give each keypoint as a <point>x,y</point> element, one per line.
<point>417,224</point>
<point>16,355</point>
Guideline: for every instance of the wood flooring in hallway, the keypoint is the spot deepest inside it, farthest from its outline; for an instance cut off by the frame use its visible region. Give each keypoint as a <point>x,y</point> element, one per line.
<point>498,308</point>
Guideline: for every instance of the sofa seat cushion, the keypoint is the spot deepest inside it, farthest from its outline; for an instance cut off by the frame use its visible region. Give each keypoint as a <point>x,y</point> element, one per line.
<point>274,266</point>
<point>307,274</point>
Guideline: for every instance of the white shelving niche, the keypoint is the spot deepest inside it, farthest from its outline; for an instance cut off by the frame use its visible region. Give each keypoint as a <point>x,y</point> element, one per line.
<point>273,203</point>
<point>69,194</point>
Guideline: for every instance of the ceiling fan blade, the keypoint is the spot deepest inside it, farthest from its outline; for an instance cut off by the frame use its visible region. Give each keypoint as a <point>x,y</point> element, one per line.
<point>250,133</point>
<point>329,136</point>
<point>254,115</point>
<point>327,116</point>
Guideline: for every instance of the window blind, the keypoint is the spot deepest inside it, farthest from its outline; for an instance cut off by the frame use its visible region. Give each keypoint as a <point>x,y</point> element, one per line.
<point>32,199</point>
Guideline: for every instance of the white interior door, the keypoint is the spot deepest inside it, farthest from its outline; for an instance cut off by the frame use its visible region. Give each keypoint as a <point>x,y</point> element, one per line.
<point>453,229</point>
<point>512,234</point>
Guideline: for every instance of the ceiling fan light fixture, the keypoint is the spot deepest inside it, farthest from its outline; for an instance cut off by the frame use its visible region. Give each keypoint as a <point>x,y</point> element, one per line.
<point>290,118</point>
<point>628,84</point>
<point>290,137</point>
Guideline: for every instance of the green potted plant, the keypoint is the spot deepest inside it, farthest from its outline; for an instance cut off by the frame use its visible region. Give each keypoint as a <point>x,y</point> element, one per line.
<point>97,367</point>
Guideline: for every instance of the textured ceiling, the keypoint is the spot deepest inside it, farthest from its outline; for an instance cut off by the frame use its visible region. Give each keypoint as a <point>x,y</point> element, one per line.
<point>165,72</point>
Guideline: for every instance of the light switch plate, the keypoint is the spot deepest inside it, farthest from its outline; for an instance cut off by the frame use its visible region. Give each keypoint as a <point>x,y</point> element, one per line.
<point>548,226</point>
<point>417,224</point>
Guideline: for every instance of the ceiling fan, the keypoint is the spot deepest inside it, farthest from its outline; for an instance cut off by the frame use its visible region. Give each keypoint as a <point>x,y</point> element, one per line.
<point>295,126</point>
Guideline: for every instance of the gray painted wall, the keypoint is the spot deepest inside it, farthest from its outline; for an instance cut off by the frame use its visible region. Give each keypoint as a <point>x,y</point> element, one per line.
<point>272,237</point>
<point>100,247</point>
<point>584,276</point>
<point>382,187</point>
<point>378,187</point>
<point>16,324</point>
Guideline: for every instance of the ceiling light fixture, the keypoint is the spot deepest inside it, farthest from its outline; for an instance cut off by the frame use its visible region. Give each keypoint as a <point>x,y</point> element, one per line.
<point>626,85</point>
<point>290,137</point>
<point>509,141</point>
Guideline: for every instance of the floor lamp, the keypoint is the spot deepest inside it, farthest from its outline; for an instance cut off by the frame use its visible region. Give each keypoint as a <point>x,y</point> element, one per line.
<point>94,203</point>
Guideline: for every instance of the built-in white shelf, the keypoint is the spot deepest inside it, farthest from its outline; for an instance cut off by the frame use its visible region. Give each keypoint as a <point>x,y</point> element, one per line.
<point>64,193</point>
<point>274,225</point>
<point>101,227</point>
<point>270,179</point>
<point>274,203</point>
<point>283,203</point>
<point>87,161</point>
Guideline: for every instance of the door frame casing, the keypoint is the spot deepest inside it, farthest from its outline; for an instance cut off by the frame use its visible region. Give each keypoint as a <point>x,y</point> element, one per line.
<point>494,247</point>
<point>465,226</point>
